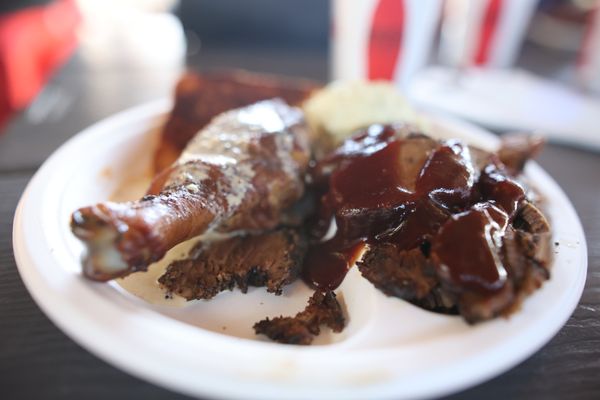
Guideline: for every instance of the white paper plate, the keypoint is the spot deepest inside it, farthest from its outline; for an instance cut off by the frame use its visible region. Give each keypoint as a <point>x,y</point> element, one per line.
<point>390,349</point>
<point>509,100</point>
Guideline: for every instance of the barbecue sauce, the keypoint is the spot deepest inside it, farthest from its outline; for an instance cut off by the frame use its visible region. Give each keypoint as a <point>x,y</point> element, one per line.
<point>327,263</point>
<point>466,249</point>
<point>495,186</point>
<point>434,198</point>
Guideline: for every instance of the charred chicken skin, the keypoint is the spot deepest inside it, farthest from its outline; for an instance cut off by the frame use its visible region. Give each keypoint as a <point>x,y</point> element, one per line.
<point>200,97</point>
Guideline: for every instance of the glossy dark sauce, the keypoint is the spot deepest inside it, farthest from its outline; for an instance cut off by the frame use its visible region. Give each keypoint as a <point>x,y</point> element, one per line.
<point>370,182</point>
<point>327,263</point>
<point>422,223</point>
<point>431,197</point>
<point>466,249</point>
<point>497,187</point>
<point>447,177</point>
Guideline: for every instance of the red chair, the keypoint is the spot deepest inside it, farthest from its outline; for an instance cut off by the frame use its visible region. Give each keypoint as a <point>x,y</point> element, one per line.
<point>34,42</point>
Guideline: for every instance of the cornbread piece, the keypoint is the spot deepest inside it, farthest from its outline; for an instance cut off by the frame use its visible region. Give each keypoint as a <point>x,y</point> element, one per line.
<point>271,259</point>
<point>322,309</point>
<point>338,110</point>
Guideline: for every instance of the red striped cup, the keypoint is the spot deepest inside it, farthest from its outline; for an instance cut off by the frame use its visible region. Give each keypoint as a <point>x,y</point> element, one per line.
<point>484,33</point>
<point>382,39</point>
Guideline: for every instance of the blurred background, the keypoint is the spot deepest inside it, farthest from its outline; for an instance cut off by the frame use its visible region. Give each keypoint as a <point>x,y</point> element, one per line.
<point>505,64</point>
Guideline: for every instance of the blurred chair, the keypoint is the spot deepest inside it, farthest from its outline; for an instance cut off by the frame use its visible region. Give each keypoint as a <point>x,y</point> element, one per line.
<point>33,42</point>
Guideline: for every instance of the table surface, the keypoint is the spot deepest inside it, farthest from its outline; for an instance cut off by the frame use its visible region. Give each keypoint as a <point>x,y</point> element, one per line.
<point>37,360</point>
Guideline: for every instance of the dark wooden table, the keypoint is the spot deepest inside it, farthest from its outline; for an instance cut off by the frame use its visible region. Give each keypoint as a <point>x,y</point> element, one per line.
<point>38,361</point>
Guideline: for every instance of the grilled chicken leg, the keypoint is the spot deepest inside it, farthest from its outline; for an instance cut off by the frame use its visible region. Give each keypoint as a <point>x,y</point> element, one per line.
<point>238,173</point>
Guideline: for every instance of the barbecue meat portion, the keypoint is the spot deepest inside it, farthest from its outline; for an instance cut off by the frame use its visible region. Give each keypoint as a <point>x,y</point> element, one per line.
<point>411,275</point>
<point>411,156</point>
<point>322,309</point>
<point>201,97</point>
<point>516,149</point>
<point>447,226</point>
<point>408,275</point>
<point>272,259</point>
<point>241,172</point>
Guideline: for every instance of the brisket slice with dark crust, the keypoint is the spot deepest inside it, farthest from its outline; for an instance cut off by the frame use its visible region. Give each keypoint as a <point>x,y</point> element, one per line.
<point>322,309</point>
<point>404,274</point>
<point>271,259</point>
<point>526,253</point>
